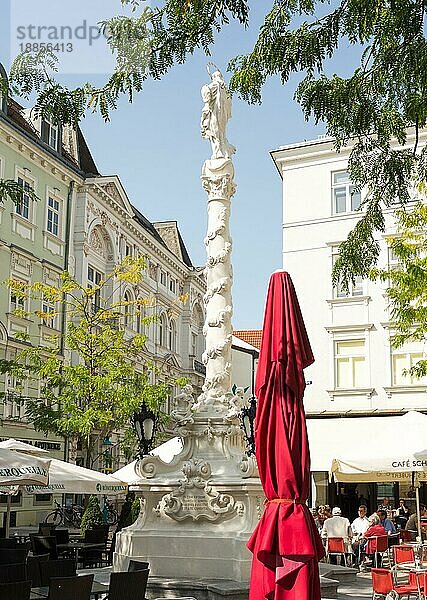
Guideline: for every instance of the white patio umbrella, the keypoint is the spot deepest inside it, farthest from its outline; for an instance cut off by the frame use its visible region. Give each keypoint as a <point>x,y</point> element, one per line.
<point>165,452</point>
<point>18,469</point>
<point>68,478</point>
<point>397,452</point>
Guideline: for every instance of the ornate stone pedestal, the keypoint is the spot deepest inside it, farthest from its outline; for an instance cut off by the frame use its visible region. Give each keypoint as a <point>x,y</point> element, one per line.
<point>198,511</point>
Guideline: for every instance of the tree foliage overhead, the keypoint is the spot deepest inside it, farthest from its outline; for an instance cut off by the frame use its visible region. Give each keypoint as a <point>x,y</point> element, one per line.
<point>371,109</point>
<point>106,378</point>
<point>407,281</point>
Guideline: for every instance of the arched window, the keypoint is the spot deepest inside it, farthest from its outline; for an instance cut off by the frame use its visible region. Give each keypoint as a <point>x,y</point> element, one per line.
<point>128,310</point>
<point>163,328</point>
<point>172,335</point>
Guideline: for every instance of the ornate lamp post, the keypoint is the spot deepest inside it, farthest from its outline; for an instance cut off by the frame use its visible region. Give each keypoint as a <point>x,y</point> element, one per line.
<point>145,424</point>
<point>247,419</point>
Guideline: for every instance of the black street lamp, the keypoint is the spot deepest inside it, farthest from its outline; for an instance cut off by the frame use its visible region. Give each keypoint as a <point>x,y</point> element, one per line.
<point>247,419</point>
<point>145,423</point>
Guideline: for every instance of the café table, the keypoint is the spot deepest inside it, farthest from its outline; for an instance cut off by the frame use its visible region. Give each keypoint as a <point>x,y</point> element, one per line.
<point>412,567</point>
<point>98,589</point>
<point>75,545</point>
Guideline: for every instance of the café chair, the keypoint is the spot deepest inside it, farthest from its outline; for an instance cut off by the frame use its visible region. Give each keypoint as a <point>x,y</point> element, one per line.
<point>13,556</point>
<point>335,547</point>
<point>377,545</point>
<point>62,536</point>
<point>13,573</point>
<point>33,568</point>
<point>138,565</point>
<point>65,567</point>
<point>129,585</point>
<point>383,584</point>
<point>403,554</point>
<point>20,590</point>
<point>405,535</point>
<point>44,545</point>
<point>78,587</point>
<point>8,543</point>
<point>46,529</point>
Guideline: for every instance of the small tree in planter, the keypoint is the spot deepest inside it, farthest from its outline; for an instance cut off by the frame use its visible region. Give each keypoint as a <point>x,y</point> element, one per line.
<point>92,516</point>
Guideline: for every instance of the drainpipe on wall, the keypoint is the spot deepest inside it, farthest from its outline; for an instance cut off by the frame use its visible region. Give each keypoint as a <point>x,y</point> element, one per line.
<point>66,264</point>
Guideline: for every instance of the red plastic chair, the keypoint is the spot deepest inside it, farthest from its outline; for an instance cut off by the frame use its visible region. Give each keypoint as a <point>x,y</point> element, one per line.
<point>419,581</point>
<point>377,545</point>
<point>405,535</point>
<point>382,584</point>
<point>335,547</point>
<point>403,554</point>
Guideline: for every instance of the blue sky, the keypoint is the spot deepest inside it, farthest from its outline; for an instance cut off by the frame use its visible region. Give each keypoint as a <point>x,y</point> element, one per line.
<point>154,144</point>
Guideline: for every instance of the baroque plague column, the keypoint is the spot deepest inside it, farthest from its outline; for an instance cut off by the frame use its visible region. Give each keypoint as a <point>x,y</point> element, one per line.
<point>198,511</point>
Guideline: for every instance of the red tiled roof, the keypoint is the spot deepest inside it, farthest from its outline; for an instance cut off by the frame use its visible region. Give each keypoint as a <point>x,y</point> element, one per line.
<point>250,336</point>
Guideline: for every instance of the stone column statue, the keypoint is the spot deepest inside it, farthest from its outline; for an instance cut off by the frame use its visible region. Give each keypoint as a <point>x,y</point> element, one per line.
<point>199,509</point>
<point>215,116</point>
<point>218,181</point>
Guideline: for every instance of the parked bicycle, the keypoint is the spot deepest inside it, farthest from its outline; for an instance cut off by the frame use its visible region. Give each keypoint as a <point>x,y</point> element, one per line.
<point>65,515</point>
<point>109,512</point>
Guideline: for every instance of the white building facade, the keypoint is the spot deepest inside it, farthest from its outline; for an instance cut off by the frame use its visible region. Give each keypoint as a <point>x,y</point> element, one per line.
<point>356,373</point>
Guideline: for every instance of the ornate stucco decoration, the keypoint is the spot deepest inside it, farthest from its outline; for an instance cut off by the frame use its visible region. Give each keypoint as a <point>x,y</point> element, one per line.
<point>195,499</point>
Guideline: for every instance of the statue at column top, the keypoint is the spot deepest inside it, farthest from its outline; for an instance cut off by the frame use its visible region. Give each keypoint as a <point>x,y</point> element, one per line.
<point>215,115</point>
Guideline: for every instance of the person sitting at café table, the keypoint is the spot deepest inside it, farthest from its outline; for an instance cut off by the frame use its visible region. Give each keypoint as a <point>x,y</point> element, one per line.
<point>401,514</point>
<point>375,529</point>
<point>412,524</point>
<point>358,527</point>
<point>338,526</point>
<point>386,523</point>
<point>385,505</point>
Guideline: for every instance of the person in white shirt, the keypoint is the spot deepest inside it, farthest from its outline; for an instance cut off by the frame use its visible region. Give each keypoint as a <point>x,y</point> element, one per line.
<point>358,527</point>
<point>338,526</point>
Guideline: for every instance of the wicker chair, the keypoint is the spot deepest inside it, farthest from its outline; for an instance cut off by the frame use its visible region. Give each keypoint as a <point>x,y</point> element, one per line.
<point>44,545</point>
<point>138,565</point>
<point>13,573</point>
<point>56,568</point>
<point>13,556</point>
<point>33,568</point>
<point>20,590</point>
<point>127,585</point>
<point>71,588</point>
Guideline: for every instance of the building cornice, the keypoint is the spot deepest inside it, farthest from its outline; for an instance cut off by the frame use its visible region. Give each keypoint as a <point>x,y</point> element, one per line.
<point>19,140</point>
<point>144,238</point>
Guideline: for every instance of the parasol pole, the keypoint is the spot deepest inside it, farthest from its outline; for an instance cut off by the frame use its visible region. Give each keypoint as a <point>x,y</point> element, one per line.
<point>417,500</point>
<point>7,525</point>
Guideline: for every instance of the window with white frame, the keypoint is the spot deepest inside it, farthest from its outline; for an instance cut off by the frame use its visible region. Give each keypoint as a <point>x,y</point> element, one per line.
<point>128,312</point>
<point>345,197</point>
<point>163,278</point>
<point>12,403</point>
<point>24,207</point>
<point>50,133</point>
<point>172,335</point>
<point>172,285</point>
<point>163,327</point>
<point>402,360</point>
<point>18,299</point>
<point>350,364</point>
<point>49,313</point>
<point>94,278</point>
<point>53,215</point>
<point>355,288</point>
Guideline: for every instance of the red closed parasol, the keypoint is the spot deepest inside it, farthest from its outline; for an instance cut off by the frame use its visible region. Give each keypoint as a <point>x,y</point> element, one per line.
<point>286,545</point>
